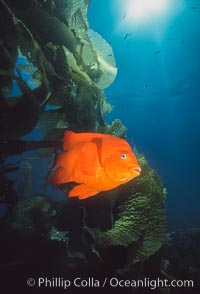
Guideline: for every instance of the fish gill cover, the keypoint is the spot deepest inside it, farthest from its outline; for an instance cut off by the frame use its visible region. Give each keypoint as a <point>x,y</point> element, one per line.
<point>50,44</point>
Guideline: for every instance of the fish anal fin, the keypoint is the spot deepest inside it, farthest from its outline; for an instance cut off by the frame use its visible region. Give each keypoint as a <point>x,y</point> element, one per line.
<point>89,159</point>
<point>82,191</point>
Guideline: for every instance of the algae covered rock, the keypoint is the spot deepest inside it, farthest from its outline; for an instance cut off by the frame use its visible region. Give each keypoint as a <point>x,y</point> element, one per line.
<point>140,219</point>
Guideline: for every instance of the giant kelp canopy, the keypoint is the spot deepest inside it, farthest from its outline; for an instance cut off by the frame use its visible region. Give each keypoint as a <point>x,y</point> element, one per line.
<point>69,66</point>
<point>72,62</point>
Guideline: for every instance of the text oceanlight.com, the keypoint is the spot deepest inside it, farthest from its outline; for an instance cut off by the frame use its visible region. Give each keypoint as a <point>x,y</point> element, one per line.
<point>58,282</point>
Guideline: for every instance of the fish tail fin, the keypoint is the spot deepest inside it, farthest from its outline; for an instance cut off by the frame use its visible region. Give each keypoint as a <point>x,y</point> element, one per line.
<point>82,192</point>
<point>68,138</point>
<point>58,176</point>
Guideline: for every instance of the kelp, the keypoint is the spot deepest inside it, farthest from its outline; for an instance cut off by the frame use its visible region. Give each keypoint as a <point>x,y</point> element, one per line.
<point>68,79</point>
<point>74,65</point>
<point>14,147</point>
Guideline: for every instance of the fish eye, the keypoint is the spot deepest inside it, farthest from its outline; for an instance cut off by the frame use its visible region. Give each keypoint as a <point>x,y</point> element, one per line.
<point>123,156</point>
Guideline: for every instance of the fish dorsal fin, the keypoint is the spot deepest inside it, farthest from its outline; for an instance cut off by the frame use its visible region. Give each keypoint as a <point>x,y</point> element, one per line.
<point>89,159</point>
<point>71,138</point>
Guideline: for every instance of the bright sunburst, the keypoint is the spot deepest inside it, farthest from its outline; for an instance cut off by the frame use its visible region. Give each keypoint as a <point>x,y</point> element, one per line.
<point>140,11</point>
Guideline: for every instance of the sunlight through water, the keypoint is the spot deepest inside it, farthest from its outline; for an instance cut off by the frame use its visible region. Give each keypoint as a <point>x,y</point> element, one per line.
<point>140,11</point>
<point>147,15</point>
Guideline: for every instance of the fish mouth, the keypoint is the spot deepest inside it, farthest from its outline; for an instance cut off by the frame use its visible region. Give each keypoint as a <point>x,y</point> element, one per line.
<point>136,170</point>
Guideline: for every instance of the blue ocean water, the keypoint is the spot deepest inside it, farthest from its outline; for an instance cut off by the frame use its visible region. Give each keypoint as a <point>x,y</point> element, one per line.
<point>157,95</point>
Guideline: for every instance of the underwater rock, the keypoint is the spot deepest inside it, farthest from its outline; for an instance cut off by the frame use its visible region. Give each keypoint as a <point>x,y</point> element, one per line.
<point>140,221</point>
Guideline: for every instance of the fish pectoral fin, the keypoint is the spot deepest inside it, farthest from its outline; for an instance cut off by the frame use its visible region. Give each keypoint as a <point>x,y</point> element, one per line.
<point>82,191</point>
<point>89,159</point>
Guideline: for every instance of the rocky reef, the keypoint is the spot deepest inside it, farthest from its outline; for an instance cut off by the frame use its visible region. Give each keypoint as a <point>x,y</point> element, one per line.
<point>59,69</point>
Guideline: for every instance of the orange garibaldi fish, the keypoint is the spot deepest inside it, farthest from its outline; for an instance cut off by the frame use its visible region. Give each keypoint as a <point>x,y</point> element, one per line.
<point>97,162</point>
